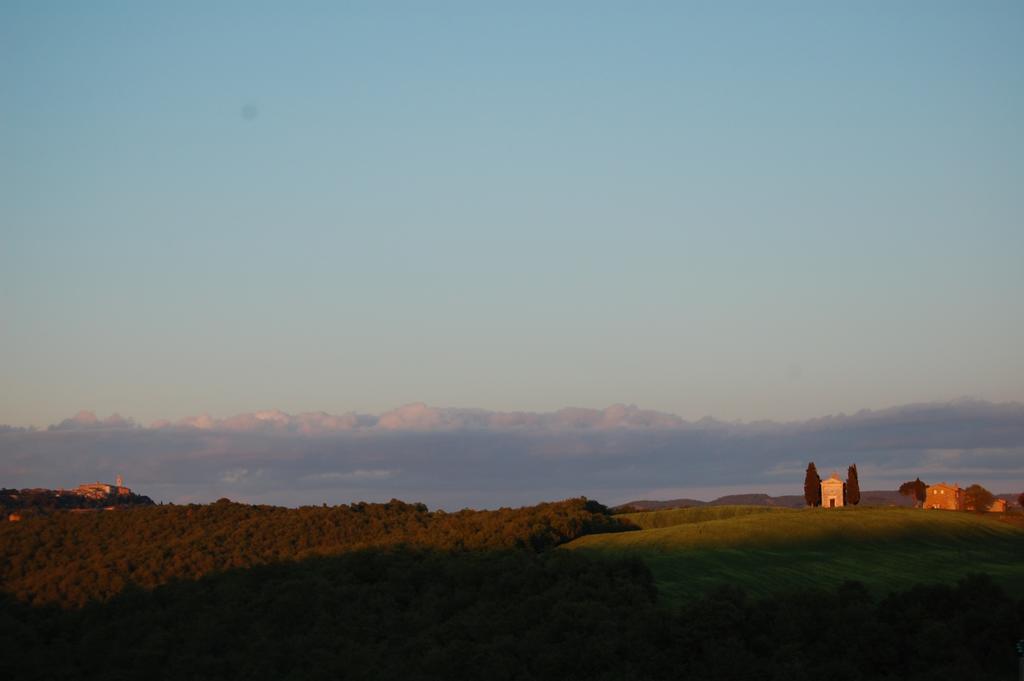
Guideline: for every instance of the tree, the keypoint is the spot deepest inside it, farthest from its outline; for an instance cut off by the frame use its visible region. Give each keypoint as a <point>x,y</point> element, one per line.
<point>977,499</point>
<point>1020,499</point>
<point>915,489</point>
<point>852,486</point>
<point>812,486</point>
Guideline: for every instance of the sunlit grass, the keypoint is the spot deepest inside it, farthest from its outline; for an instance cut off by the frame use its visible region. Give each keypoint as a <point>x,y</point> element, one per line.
<point>767,550</point>
<point>679,516</point>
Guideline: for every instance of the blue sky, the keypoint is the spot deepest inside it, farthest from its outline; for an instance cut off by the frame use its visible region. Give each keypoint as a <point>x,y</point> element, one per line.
<point>750,210</point>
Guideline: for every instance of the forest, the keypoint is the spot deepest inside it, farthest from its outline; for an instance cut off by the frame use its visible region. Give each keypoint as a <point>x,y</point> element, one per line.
<point>72,559</point>
<point>379,591</point>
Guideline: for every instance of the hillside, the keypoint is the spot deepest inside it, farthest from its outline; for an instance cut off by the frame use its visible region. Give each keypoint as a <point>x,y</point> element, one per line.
<point>650,520</point>
<point>770,550</point>
<point>370,591</point>
<point>503,616</point>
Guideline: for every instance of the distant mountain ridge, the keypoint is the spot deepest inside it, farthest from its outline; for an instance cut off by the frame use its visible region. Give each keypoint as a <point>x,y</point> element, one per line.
<point>867,498</point>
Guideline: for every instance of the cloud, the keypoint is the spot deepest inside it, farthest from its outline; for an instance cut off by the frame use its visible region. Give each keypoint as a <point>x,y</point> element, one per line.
<point>452,457</point>
<point>419,417</point>
<point>86,420</point>
<point>356,475</point>
<point>234,475</point>
<point>272,421</point>
<point>422,417</point>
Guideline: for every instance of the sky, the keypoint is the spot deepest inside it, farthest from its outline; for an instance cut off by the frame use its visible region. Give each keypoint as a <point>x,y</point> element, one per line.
<point>746,210</point>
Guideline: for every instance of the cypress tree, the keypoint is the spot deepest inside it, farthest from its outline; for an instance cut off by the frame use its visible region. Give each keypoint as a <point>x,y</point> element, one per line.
<point>812,486</point>
<point>916,490</point>
<point>852,486</point>
<point>920,491</point>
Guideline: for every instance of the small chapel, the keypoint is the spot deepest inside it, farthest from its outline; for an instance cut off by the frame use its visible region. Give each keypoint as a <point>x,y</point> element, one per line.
<point>833,492</point>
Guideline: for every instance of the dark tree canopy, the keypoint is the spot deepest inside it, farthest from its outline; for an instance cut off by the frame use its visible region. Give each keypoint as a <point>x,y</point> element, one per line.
<point>500,616</point>
<point>152,545</point>
<point>977,498</point>
<point>916,490</point>
<point>852,486</point>
<point>812,486</point>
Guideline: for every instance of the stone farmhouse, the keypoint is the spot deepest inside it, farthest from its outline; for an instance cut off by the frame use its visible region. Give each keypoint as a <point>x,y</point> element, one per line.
<point>947,497</point>
<point>951,498</point>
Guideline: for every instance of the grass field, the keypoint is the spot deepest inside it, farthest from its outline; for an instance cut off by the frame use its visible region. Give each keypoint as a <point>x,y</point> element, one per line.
<point>766,550</point>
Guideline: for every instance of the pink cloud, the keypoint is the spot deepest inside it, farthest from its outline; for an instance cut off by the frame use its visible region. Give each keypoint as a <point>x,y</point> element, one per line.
<point>201,422</point>
<point>417,416</point>
<point>410,417</point>
<point>84,418</point>
<point>87,420</point>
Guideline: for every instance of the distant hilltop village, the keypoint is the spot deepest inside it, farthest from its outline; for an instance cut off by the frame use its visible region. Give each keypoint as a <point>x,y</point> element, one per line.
<point>90,496</point>
<point>102,490</point>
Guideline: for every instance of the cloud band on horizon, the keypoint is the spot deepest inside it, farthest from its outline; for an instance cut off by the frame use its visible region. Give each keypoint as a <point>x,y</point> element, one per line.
<point>467,457</point>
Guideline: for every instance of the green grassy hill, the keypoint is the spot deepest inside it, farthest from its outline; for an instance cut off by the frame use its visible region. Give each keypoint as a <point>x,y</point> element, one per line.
<point>768,550</point>
<point>650,520</point>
